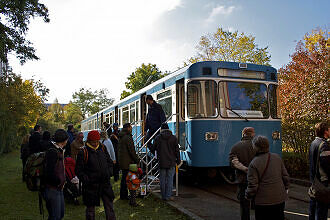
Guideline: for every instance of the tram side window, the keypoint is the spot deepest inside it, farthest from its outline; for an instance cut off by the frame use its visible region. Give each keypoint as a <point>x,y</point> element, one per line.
<point>274,101</point>
<point>165,100</point>
<point>125,112</point>
<point>202,99</point>
<point>132,112</point>
<point>137,110</point>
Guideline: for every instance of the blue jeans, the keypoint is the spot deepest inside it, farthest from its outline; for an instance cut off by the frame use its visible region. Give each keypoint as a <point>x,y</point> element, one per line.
<point>166,182</point>
<point>317,210</point>
<point>54,203</point>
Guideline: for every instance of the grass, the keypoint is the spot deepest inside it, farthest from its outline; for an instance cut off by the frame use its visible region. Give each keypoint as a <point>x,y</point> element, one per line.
<point>17,203</point>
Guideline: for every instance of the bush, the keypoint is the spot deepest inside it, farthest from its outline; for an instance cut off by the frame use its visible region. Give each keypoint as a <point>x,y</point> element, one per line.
<point>296,165</point>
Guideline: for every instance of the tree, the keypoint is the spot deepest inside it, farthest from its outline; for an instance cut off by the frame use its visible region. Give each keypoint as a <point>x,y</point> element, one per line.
<point>72,115</point>
<point>304,91</point>
<point>227,46</point>
<point>143,76</point>
<point>14,26</point>
<point>90,101</point>
<point>20,109</point>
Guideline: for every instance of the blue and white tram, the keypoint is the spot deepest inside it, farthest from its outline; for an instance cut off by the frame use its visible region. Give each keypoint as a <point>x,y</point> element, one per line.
<point>211,102</point>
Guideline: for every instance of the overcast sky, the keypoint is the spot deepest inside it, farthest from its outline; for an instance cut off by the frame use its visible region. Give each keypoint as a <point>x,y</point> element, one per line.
<point>98,44</point>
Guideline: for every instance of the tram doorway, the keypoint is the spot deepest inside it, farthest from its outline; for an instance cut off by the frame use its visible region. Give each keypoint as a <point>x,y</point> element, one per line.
<point>180,113</point>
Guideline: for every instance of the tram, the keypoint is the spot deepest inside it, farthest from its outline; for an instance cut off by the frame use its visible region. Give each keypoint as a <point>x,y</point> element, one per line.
<point>207,105</point>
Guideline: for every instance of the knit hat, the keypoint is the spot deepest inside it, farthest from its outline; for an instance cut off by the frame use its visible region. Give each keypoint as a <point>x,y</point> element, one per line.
<point>93,135</point>
<point>133,167</point>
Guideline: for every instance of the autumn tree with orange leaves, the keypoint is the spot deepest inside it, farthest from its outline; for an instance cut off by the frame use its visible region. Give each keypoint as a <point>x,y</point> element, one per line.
<point>304,91</point>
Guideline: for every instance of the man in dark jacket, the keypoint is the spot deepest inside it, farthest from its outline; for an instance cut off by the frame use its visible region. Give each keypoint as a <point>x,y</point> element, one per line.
<point>45,142</point>
<point>94,169</point>
<point>55,176</point>
<point>115,139</point>
<point>34,141</point>
<point>166,145</point>
<point>240,157</point>
<point>319,147</point>
<point>155,118</point>
<point>127,156</point>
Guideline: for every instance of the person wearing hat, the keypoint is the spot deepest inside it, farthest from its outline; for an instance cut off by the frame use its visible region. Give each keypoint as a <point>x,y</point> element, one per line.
<point>55,176</point>
<point>268,182</point>
<point>114,139</point>
<point>240,157</point>
<point>126,156</point>
<point>133,183</point>
<point>155,118</point>
<point>94,169</point>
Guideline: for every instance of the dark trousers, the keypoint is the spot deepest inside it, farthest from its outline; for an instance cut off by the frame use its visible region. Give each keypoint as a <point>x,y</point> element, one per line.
<point>244,203</point>
<point>148,136</point>
<point>123,185</point>
<point>116,171</point>
<point>270,212</point>
<point>317,210</point>
<point>108,208</point>
<point>132,197</point>
<point>54,203</point>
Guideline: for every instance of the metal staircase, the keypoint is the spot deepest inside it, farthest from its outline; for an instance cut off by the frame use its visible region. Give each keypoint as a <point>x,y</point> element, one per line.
<point>148,161</point>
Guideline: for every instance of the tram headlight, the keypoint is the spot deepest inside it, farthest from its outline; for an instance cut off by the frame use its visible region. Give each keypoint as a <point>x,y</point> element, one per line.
<point>276,135</point>
<point>211,136</point>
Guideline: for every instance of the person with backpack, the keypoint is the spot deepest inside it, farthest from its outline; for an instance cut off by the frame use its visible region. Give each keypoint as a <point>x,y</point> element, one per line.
<point>55,176</point>
<point>94,169</point>
<point>34,140</point>
<point>319,160</point>
<point>45,142</point>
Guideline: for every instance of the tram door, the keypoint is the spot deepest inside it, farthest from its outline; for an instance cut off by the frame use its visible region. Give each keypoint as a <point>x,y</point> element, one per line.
<point>180,113</point>
<point>101,120</point>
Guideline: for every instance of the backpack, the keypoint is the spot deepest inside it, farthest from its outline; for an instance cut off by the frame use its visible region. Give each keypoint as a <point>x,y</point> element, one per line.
<point>34,171</point>
<point>86,153</point>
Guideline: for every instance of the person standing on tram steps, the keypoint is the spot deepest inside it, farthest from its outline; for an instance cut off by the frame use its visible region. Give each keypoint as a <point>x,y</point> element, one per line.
<point>167,147</point>
<point>114,139</point>
<point>127,156</point>
<point>94,169</point>
<point>155,118</point>
<point>55,176</point>
<point>318,210</point>
<point>240,157</point>
<point>268,182</point>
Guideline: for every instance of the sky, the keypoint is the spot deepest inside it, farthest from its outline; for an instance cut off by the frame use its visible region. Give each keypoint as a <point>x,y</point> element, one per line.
<point>98,44</point>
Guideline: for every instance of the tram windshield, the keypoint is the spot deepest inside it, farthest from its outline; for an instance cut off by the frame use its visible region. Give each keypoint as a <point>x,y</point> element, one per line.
<point>243,99</point>
<point>202,99</point>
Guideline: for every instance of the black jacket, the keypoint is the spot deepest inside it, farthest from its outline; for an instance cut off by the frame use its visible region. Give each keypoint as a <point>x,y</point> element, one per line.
<point>126,150</point>
<point>244,152</point>
<point>324,159</point>
<point>166,145</point>
<point>45,145</point>
<point>34,143</point>
<point>155,117</point>
<point>95,173</point>
<point>54,168</point>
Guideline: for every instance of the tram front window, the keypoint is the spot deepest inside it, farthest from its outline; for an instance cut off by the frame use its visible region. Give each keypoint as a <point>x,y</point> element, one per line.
<point>202,99</point>
<point>243,99</point>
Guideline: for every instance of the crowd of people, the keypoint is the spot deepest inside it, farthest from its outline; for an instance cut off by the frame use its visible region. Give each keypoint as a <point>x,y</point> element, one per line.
<point>263,181</point>
<point>85,167</point>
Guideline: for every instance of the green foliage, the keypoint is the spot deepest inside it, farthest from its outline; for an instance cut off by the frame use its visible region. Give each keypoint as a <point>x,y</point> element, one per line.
<point>19,110</point>
<point>16,202</point>
<point>304,92</point>
<point>230,46</point>
<point>142,77</point>
<point>90,101</point>
<point>296,165</point>
<point>15,18</point>
<point>73,115</point>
